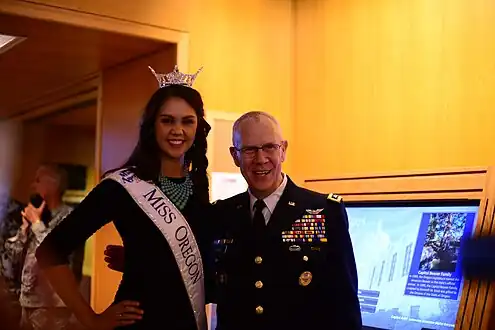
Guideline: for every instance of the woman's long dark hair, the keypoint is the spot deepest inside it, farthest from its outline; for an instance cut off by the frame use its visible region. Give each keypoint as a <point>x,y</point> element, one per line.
<point>146,155</point>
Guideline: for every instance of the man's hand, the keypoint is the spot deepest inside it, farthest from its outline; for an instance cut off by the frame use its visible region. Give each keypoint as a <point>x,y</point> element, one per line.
<point>33,214</point>
<point>114,257</point>
<point>25,225</point>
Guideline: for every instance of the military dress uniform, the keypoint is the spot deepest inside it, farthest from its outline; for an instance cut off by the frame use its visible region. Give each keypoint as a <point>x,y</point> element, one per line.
<point>298,273</point>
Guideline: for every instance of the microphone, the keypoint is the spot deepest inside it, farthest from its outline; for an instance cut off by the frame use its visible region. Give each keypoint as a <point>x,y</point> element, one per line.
<point>36,200</point>
<point>46,215</point>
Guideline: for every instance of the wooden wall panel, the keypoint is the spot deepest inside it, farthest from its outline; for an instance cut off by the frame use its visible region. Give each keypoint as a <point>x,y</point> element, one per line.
<point>442,184</point>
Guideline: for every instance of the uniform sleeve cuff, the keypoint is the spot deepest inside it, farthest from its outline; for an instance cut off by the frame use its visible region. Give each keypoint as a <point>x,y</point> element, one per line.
<point>38,227</point>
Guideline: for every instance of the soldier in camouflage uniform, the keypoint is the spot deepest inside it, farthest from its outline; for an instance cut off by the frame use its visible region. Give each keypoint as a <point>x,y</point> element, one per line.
<point>10,268</point>
<point>42,308</point>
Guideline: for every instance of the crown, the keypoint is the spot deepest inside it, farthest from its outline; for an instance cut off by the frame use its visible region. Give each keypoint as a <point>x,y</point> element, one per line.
<point>175,77</point>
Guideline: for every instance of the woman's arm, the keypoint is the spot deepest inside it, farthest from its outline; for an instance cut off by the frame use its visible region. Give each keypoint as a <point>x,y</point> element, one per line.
<point>96,210</point>
<point>64,282</point>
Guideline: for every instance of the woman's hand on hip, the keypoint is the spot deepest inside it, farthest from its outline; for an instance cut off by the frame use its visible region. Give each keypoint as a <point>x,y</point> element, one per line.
<point>124,313</point>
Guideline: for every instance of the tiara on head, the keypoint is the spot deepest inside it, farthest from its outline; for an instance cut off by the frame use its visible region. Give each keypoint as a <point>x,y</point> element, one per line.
<point>175,77</point>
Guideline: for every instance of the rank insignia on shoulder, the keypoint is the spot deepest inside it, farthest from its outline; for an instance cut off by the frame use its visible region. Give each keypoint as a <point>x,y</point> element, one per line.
<point>314,212</point>
<point>335,198</point>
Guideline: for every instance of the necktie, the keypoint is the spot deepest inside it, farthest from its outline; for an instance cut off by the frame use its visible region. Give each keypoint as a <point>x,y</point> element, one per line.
<point>258,219</point>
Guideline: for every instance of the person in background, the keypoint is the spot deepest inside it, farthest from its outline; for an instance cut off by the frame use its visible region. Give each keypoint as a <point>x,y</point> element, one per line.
<point>42,309</point>
<point>478,258</point>
<point>287,260</point>
<point>159,202</point>
<point>10,267</point>
<point>478,263</point>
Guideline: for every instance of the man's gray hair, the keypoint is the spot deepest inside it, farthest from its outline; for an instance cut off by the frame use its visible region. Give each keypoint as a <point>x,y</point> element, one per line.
<point>251,115</point>
<point>58,173</point>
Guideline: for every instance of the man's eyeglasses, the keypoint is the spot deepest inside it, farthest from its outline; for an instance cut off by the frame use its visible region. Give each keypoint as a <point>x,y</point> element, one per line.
<point>267,148</point>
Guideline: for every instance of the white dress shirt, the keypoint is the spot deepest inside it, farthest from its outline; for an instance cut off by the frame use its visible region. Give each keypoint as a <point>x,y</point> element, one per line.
<point>270,201</point>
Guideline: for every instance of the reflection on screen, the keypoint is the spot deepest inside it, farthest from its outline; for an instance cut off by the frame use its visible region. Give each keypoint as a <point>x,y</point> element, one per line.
<point>408,264</point>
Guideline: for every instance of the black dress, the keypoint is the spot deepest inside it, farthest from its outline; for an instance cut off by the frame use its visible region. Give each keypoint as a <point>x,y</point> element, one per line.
<point>151,275</point>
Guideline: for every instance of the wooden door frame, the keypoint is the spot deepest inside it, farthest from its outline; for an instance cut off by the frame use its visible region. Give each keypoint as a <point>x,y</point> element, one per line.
<point>211,116</point>
<point>104,23</point>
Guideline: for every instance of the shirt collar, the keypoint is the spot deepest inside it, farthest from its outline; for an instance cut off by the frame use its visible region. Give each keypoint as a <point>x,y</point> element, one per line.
<point>271,200</point>
<point>61,209</point>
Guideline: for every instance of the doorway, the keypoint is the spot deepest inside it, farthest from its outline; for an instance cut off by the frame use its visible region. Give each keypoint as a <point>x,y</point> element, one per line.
<point>75,94</point>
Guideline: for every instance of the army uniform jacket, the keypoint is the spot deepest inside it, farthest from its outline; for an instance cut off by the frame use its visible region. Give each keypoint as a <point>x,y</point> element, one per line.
<point>302,275</point>
<point>11,265</point>
<point>35,290</point>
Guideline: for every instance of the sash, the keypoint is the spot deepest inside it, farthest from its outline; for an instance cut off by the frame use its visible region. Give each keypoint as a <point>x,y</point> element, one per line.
<point>174,227</point>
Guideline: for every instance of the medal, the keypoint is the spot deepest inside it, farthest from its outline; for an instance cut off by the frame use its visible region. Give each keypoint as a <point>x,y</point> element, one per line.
<point>305,278</point>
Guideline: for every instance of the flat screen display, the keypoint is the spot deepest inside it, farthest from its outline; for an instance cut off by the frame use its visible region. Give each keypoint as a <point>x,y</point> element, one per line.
<point>409,263</point>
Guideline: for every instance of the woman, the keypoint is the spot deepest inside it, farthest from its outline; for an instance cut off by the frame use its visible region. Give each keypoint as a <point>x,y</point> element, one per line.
<point>163,183</point>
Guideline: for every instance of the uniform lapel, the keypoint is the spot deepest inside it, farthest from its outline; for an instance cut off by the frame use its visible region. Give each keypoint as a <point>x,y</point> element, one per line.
<point>287,210</point>
<point>243,216</point>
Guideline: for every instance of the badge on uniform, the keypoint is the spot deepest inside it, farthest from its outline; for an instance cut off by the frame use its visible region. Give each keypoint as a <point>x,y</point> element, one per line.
<point>222,278</point>
<point>305,278</point>
<point>317,211</point>
<point>224,241</point>
<point>308,229</point>
<point>221,245</point>
<point>294,248</point>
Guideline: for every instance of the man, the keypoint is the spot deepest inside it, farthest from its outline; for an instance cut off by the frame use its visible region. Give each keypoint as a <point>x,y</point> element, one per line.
<point>285,258</point>
<point>288,261</point>
<point>42,309</point>
<point>11,268</point>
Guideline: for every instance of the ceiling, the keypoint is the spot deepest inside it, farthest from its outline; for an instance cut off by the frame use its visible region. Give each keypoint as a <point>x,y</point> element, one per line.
<point>81,115</point>
<point>54,56</point>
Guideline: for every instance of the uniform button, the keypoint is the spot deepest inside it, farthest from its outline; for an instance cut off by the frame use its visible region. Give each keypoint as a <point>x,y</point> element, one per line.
<point>259,310</point>
<point>258,260</point>
<point>258,284</point>
<point>305,258</point>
